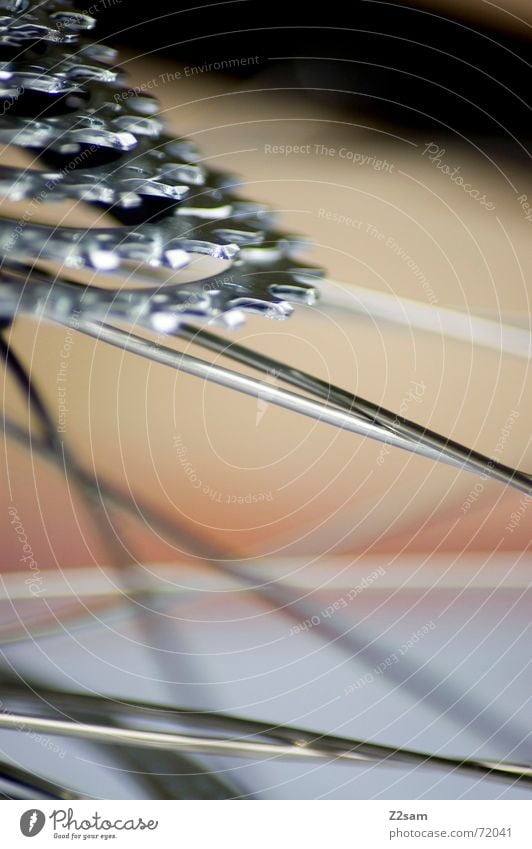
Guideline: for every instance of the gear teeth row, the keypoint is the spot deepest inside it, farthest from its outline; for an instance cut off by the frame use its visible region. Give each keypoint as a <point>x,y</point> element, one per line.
<point>22,22</point>
<point>67,75</point>
<point>105,144</point>
<point>107,249</point>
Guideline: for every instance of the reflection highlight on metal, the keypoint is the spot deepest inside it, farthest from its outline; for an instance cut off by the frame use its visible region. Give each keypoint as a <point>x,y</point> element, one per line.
<point>227,735</point>
<point>107,146</point>
<point>351,413</point>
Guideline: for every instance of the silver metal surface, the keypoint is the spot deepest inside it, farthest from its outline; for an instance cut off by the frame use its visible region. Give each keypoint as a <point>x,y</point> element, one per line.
<point>353,417</point>
<point>249,740</point>
<point>107,144</point>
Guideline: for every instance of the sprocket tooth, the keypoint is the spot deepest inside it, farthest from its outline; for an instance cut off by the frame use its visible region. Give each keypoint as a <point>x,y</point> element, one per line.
<point>106,144</point>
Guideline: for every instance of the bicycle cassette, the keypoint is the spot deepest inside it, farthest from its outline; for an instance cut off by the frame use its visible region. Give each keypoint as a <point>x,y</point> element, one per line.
<point>106,145</point>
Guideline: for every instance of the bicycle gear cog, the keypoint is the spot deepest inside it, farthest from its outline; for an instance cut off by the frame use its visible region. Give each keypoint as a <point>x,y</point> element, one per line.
<point>67,100</point>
